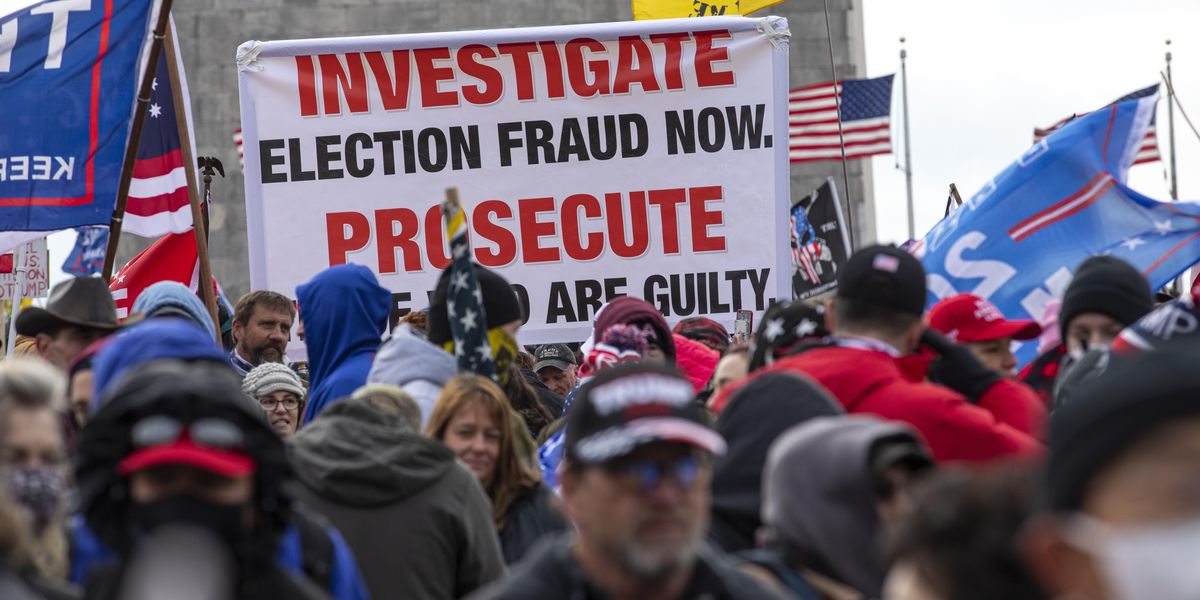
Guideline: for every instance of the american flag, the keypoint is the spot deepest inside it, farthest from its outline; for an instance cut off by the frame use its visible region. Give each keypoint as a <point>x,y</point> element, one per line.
<point>805,249</point>
<point>866,119</point>
<point>1147,152</point>
<point>464,301</point>
<point>158,198</point>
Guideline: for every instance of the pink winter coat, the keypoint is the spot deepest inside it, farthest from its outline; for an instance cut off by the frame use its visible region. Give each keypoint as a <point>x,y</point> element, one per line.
<point>695,360</point>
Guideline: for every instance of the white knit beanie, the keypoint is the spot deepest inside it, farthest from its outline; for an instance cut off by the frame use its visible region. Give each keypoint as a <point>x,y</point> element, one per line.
<point>272,377</point>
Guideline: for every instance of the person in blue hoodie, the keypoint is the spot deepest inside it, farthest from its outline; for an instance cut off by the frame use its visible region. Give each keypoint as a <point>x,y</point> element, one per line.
<point>308,545</point>
<point>166,337</point>
<point>345,313</point>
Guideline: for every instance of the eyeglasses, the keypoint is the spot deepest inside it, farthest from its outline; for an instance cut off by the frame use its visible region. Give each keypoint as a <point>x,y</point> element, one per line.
<point>161,430</point>
<point>645,475</point>
<point>269,404</point>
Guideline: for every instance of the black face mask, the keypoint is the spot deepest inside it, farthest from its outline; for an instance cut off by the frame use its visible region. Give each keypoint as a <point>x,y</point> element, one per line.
<point>224,520</point>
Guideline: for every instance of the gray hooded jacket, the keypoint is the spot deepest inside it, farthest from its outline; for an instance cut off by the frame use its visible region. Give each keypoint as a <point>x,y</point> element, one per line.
<point>819,501</point>
<point>418,522</point>
<point>409,361</point>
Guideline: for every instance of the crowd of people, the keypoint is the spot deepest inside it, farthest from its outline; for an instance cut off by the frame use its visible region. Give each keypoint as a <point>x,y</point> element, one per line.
<point>856,448</point>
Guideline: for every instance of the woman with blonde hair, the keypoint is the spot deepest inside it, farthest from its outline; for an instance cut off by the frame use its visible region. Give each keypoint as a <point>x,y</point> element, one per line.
<point>33,470</point>
<point>473,418</point>
<point>19,580</point>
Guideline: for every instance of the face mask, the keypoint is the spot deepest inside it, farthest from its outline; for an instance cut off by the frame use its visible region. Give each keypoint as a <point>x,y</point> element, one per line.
<point>1156,562</point>
<point>225,520</point>
<point>37,490</point>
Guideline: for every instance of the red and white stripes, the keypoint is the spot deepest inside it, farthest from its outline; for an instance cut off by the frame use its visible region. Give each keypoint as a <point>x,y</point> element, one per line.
<point>1082,198</point>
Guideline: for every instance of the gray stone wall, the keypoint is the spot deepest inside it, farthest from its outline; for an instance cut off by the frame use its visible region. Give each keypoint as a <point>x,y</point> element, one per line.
<point>210,31</point>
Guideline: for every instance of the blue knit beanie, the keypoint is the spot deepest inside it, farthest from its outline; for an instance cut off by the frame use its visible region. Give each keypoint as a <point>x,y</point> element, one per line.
<point>174,298</point>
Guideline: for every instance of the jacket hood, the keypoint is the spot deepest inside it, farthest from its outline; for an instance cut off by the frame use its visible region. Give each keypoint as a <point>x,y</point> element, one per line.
<point>167,337</point>
<point>695,360</point>
<point>357,455</point>
<point>345,312</point>
<point>756,415</point>
<point>818,498</point>
<point>407,357</point>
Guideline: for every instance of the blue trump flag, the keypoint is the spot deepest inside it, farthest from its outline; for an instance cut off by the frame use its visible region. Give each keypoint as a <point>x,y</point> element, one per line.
<point>1019,239</point>
<point>68,73</point>
<point>87,257</point>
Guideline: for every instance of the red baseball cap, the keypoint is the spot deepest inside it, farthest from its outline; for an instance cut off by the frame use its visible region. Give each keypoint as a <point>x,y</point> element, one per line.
<point>183,451</point>
<point>969,318</point>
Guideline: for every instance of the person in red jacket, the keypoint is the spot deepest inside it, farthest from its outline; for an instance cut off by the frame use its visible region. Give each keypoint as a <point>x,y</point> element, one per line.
<point>971,414</point>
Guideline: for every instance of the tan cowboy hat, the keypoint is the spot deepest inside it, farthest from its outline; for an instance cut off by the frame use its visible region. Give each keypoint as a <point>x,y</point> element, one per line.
<point>79,301</point>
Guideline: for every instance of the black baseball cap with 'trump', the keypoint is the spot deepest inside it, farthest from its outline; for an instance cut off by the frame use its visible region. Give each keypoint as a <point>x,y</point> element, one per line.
<point>884,276</point>
<point>628,406</point>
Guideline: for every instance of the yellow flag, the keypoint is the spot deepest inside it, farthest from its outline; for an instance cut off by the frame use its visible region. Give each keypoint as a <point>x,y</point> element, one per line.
<point>674,9</point>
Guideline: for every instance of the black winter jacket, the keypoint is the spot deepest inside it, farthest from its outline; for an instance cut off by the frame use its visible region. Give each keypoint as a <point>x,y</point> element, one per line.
<point>531,517</point>
<point>273,583</point>
<point>551,571</point>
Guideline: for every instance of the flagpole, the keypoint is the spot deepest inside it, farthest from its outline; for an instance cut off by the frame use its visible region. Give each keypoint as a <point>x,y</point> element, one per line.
<point>1171,123</point>
<point>953,201</point>
<point>18,296</point>
<point>837,100</point>
<point>135,135</point>
<point>1177,283</point>
<point>189,162</point>
<point>912,227</point>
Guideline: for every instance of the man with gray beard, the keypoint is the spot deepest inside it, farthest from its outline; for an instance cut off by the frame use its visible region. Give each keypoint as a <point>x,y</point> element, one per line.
<point>635,479</point>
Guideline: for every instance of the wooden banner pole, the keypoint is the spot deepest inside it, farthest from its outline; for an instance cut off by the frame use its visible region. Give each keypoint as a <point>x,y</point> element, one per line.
<point>189,162</point>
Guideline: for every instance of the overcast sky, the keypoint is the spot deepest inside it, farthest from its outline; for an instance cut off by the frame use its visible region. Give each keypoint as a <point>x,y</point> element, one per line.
<point>982,75</point>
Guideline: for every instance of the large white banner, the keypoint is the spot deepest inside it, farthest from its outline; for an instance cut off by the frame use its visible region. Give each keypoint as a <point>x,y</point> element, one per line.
<point>594,161</point>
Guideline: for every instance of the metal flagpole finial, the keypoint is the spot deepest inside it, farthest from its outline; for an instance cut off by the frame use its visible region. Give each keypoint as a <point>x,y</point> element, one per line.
<point>1168,49</point>
<point>903,51</point>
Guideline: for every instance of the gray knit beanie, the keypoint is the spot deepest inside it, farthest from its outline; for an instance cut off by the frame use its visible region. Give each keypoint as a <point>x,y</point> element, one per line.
<point>272,377</point>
